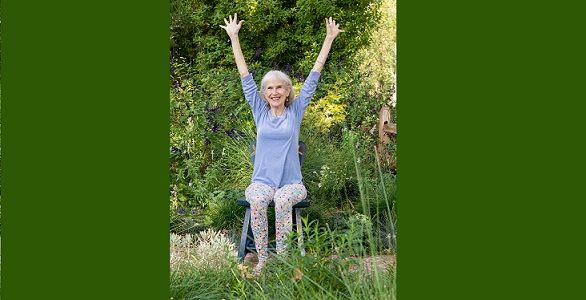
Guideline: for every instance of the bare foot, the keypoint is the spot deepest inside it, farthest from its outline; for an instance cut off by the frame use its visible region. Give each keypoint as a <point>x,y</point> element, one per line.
<point>258,269</point>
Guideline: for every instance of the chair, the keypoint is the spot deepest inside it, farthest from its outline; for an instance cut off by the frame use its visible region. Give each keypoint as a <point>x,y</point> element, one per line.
<point>247,238</point>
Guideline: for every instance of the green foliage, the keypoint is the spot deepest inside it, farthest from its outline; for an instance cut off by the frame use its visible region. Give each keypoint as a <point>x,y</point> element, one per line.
<point>353,200</point>
<point>378,60</point>
<point>207,134</point>
<point>276,34</point>
<point>211,125</point>
<point>328,171</point>
<point>326,112</point>
<point>223,212</point>
<point>335,266</point>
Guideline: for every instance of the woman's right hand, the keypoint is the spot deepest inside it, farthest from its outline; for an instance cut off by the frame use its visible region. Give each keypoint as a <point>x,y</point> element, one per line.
<point>232,25</point>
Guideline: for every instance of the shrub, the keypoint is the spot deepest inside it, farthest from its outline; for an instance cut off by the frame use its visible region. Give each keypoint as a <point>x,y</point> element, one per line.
<point>207,250</point>
<point>333,268</point>
<point>208,113</point>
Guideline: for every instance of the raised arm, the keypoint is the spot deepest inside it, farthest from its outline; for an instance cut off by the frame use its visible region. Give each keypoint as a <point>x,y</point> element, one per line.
<point>232,27</point>
<point>332,30</point>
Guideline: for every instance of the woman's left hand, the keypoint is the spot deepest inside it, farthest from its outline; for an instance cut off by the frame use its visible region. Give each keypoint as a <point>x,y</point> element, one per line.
<point>332,28</point>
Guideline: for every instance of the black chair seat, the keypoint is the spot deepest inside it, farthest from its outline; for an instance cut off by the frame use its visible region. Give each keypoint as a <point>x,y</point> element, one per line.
<point>304,203</point>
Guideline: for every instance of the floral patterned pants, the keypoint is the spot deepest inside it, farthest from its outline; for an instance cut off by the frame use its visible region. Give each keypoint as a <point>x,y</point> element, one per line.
<point>259,195</point>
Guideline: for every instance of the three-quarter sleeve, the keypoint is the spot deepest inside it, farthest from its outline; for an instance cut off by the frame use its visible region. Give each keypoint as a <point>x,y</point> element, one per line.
<point>252,95</point>
<point>307,90</point>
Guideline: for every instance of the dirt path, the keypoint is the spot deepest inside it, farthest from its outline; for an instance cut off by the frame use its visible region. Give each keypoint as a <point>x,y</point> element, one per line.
<point>381,261</point>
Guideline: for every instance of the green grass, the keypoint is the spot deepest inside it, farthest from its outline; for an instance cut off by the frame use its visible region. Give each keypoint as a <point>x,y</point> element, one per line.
<point>204,266</point>
<point>330,270</point>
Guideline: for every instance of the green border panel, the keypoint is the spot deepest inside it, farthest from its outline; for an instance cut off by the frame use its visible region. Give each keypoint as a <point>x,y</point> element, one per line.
<point>85,135</point>
<point>491,155</point>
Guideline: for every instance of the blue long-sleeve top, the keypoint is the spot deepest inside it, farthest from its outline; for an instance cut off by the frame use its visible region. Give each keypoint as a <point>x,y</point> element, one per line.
<point>276,161</point>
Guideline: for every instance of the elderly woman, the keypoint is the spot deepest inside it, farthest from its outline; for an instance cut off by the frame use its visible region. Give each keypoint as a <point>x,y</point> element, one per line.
<point>277,114</point>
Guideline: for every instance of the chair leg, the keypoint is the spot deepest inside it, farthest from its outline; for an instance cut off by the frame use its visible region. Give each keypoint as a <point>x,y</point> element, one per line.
<point>250,246</point>
<point>244,236</point>
<point>299,230</point>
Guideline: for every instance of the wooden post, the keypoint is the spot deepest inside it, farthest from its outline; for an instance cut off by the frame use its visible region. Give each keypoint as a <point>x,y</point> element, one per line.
<point>386,131</point>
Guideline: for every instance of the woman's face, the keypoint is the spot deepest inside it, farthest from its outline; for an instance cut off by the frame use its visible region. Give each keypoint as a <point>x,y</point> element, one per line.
<point>276,93</point>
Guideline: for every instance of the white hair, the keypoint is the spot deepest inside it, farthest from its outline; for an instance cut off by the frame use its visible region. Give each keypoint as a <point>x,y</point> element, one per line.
<point>274,74</point>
